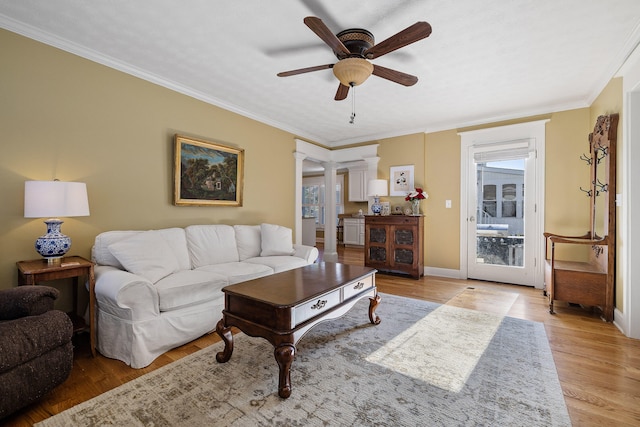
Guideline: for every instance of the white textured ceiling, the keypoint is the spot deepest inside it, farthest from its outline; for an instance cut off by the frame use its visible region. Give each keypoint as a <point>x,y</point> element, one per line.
<point>485,60</point>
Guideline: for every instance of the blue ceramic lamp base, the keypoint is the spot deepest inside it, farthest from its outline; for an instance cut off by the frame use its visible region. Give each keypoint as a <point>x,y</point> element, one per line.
<point>53,245</point>
<point>376,207</point>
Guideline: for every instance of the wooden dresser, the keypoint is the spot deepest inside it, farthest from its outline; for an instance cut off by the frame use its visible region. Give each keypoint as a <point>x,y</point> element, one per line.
<point>394,244</point>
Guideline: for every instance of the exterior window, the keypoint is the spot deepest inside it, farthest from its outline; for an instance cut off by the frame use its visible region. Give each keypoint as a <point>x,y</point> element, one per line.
<point>509,200</point>
<point>313,198</point>
<point>489,202</point>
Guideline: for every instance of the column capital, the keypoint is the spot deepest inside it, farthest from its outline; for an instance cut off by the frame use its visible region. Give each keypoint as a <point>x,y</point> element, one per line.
<point>298,155</point>
<point>330,165</point>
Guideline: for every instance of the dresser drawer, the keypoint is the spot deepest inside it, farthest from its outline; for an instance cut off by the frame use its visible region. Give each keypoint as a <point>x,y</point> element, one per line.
<point>314,307</point>
<point>358,286</point>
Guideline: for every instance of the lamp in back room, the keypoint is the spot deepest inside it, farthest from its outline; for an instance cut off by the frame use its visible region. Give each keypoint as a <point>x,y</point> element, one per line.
<point>377,188</point>
<point>52,200</point>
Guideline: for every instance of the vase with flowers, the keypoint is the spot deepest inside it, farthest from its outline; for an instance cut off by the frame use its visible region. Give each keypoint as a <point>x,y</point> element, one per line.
<point>414,197</point>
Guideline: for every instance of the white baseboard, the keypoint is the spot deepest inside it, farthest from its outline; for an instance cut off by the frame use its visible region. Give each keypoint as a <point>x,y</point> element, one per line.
<point>442,272</point>
<point>621,321</point>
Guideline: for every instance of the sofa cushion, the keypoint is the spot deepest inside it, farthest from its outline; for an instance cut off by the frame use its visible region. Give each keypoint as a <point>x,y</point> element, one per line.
<point>279,263</point>
<point>100,252</point>
<point>238,272</point>
<point>248,240</point>
<point>175,237</point>
<point>189,287</point>
<point>276,240</point>
<point>146,254</point>
<point>211,244</point>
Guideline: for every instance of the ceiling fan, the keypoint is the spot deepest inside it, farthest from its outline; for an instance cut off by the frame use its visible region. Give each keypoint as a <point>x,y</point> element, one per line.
<point>355,47</point>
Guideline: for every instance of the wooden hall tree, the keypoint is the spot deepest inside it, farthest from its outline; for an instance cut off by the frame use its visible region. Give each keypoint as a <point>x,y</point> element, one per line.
<point>592,282</point>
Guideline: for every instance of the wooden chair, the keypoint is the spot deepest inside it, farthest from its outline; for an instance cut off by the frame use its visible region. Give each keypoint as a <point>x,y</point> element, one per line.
<point>591,282</point>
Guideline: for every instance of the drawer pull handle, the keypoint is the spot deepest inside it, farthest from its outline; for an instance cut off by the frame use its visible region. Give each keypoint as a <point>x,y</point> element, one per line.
<point>359,286</point>
<point>319,305</point>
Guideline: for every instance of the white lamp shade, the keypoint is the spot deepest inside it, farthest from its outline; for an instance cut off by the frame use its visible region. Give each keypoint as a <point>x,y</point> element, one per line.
<point>377,187</point>
<point>52,199</point>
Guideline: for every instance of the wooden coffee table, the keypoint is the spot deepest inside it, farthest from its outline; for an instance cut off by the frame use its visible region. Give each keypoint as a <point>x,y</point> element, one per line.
<point>283,307</point>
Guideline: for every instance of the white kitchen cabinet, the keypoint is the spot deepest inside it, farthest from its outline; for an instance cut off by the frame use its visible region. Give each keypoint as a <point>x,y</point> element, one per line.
<point>357,185</point>
<point>309,231</point>
<point>354,231</point>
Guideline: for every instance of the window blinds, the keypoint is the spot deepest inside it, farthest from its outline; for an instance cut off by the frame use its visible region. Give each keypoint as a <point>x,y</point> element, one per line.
<point>511,150</point>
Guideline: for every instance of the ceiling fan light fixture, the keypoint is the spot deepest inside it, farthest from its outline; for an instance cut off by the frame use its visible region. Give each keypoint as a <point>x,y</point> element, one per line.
<point>352,71</point>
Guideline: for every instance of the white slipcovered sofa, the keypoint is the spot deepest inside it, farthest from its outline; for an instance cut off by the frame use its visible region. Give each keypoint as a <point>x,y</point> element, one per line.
<point>159,289</point>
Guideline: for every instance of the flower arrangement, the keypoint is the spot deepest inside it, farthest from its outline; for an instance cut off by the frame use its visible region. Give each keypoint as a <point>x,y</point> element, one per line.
<point>418,194</point>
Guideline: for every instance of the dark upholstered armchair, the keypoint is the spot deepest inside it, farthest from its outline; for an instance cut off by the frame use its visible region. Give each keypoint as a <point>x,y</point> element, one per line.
<point>36,353</point>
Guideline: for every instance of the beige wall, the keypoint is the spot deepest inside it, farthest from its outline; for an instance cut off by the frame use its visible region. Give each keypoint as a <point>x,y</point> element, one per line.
<point>567,206</point>
<point>442,239</point>
<point>402,151</point>
<point>68,118</point>
<point>610,101</point>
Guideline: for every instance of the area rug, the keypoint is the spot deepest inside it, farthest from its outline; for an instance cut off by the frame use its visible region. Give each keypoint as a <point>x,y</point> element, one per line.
<point>425,364</point>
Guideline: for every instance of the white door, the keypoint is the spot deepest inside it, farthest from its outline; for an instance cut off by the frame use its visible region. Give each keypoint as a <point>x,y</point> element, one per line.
<point>500,201</point>
<point>502,204</point>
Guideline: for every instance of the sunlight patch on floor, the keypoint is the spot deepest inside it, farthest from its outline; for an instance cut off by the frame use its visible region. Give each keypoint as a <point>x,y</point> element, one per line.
<point>442,348</point>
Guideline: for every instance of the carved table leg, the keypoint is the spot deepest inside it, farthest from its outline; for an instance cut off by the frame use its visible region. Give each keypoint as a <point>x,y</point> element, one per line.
<point>284,356</point>
<point>373,304</point>
<point>227,337</point>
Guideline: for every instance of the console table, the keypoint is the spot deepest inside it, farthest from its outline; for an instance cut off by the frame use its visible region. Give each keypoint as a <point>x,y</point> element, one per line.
<point>394,244</point>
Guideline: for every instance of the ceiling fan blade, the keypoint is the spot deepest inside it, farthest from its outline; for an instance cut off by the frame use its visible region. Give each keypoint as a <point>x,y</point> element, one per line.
<point>305,70</point>
<point>342,92</point>
<point>412,34</point>
<point>395,76</point>
<point>317,26</point>
<point>321,12</point>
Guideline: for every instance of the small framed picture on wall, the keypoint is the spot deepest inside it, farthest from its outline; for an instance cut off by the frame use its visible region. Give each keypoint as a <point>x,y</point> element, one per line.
<point>400,180</point>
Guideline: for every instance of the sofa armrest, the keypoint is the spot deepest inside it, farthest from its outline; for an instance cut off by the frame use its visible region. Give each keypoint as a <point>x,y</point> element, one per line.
<point>308,253</point>
<point>125,294</point>
<point>26,301</point>
<point>27,338</point>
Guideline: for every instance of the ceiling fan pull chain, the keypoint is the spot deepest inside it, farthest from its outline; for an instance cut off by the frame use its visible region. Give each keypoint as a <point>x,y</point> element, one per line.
<point>353,104</point>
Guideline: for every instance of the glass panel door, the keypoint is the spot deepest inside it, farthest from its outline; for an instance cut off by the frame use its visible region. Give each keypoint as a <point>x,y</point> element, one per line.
<point>498,230</point>
<point>500,219</point>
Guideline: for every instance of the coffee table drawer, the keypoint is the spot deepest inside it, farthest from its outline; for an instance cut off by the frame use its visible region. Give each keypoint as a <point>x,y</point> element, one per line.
<point>358,286</point>
<point>319,305</point>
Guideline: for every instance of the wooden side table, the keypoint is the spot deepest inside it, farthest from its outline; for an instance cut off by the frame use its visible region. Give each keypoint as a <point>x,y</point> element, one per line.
<point>73,267</point>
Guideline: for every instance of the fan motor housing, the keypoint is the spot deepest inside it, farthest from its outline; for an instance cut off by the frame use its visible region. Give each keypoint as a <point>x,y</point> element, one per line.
<point>356,40</point>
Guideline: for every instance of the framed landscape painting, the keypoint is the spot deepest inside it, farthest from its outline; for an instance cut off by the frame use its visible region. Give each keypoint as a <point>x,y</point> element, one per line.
<point>206,173</point>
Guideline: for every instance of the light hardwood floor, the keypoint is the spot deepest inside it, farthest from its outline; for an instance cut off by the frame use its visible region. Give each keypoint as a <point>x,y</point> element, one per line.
<point>598,367</point>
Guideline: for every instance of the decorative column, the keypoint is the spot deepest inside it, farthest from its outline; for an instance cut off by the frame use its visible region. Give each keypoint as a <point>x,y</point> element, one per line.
<point>299,156</point>
<point>330,220</point>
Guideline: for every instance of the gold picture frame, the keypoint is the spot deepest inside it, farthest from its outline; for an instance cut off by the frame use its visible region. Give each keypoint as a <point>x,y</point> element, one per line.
<point>207,173</point>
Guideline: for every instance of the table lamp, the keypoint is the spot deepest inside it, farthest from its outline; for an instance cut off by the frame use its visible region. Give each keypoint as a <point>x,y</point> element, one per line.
<point>377,188</point>
<point>54,199</point>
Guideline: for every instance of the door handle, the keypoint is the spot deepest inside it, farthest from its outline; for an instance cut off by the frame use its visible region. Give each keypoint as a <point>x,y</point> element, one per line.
<point>472,219</point>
